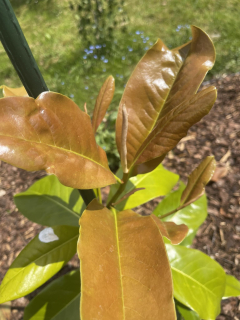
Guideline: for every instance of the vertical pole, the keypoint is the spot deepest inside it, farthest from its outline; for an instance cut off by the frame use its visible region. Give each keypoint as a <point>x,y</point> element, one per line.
<point>19,52</point>
<point>24,63</point>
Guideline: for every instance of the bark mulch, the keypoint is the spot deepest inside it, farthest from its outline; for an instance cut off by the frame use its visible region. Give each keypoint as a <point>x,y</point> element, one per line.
<point>217,134</point>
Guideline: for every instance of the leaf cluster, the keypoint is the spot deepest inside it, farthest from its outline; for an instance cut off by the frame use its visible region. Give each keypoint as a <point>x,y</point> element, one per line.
<point>131,265</point>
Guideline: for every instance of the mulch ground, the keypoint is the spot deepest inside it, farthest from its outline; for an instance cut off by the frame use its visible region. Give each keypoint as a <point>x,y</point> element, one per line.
<point>217,134</point>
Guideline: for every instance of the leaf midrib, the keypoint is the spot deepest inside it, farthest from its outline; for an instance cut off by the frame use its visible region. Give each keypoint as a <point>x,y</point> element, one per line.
<point>144,146</point>
<point>193,280</point>
<point>49,252</point>
<point>61,310</point>
<point>50,199</point>
<point>159,112</point>
<point>199,176</point>
<point>119,260</point>
<point>54,146</point>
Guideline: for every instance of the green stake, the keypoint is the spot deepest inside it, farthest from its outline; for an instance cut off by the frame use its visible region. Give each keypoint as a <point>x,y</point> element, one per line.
<point>23,61</point>
<point>19,52</point>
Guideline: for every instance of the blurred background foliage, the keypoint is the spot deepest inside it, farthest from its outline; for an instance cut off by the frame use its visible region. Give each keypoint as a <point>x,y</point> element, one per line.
<point>78,43</point>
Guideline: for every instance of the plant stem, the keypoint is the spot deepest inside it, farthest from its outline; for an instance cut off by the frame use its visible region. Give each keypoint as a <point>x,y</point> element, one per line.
<point>19,52</point>
<point>182,206</point>
<point>120,189</point>
<point>88,195</point>
<point>99,195</point>
<point>24,63</point>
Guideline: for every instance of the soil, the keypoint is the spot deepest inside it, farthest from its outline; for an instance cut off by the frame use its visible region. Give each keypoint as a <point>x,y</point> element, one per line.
<point>217,134</point>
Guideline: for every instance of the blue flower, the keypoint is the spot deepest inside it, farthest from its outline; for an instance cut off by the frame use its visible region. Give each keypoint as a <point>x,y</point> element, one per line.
<point>123,58</point>
<point>138,32</point>
<point>105,60</point>
<point>91,47</point>
<point>86,88</point>
<point>71,95</point>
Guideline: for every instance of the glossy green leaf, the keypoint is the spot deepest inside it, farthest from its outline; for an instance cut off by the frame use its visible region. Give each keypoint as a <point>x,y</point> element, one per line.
<point>163,81</point>
<point>43,257</point>
<point>51,133</point>
<point>198,180</point>
<point>193,215</point>
<point>49,203</point>
<point>232,288</point>
<point>199,281</point>
<point>186,313</point>
<point>103,101</point>
<point>156,183</point>
<point>121,278</point>
<point>60,300</point>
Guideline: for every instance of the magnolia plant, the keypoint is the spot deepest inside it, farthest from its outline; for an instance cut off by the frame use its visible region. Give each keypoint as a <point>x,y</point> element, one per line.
<point>132,266</point>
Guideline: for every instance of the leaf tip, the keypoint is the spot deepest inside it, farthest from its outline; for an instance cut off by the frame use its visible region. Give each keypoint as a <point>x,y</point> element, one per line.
<point>85,107</point>
<point>201,38</point>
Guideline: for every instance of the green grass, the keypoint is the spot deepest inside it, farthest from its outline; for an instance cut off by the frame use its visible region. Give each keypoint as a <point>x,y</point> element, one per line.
<point>51,30</point>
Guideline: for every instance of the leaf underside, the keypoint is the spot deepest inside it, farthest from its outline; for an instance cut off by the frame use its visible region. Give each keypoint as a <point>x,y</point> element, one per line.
<point>159,96</point>
<point>103,101</point>
<point>121,278</point>
<point>14,92</point>
<point>51,133</point>
<point>198,180</point>
<point>193,215</point>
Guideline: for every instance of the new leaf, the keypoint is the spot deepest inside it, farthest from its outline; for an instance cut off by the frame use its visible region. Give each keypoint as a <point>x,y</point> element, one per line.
<point>198,180</point>
<point>103,101</point>
<point>160,99</point>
